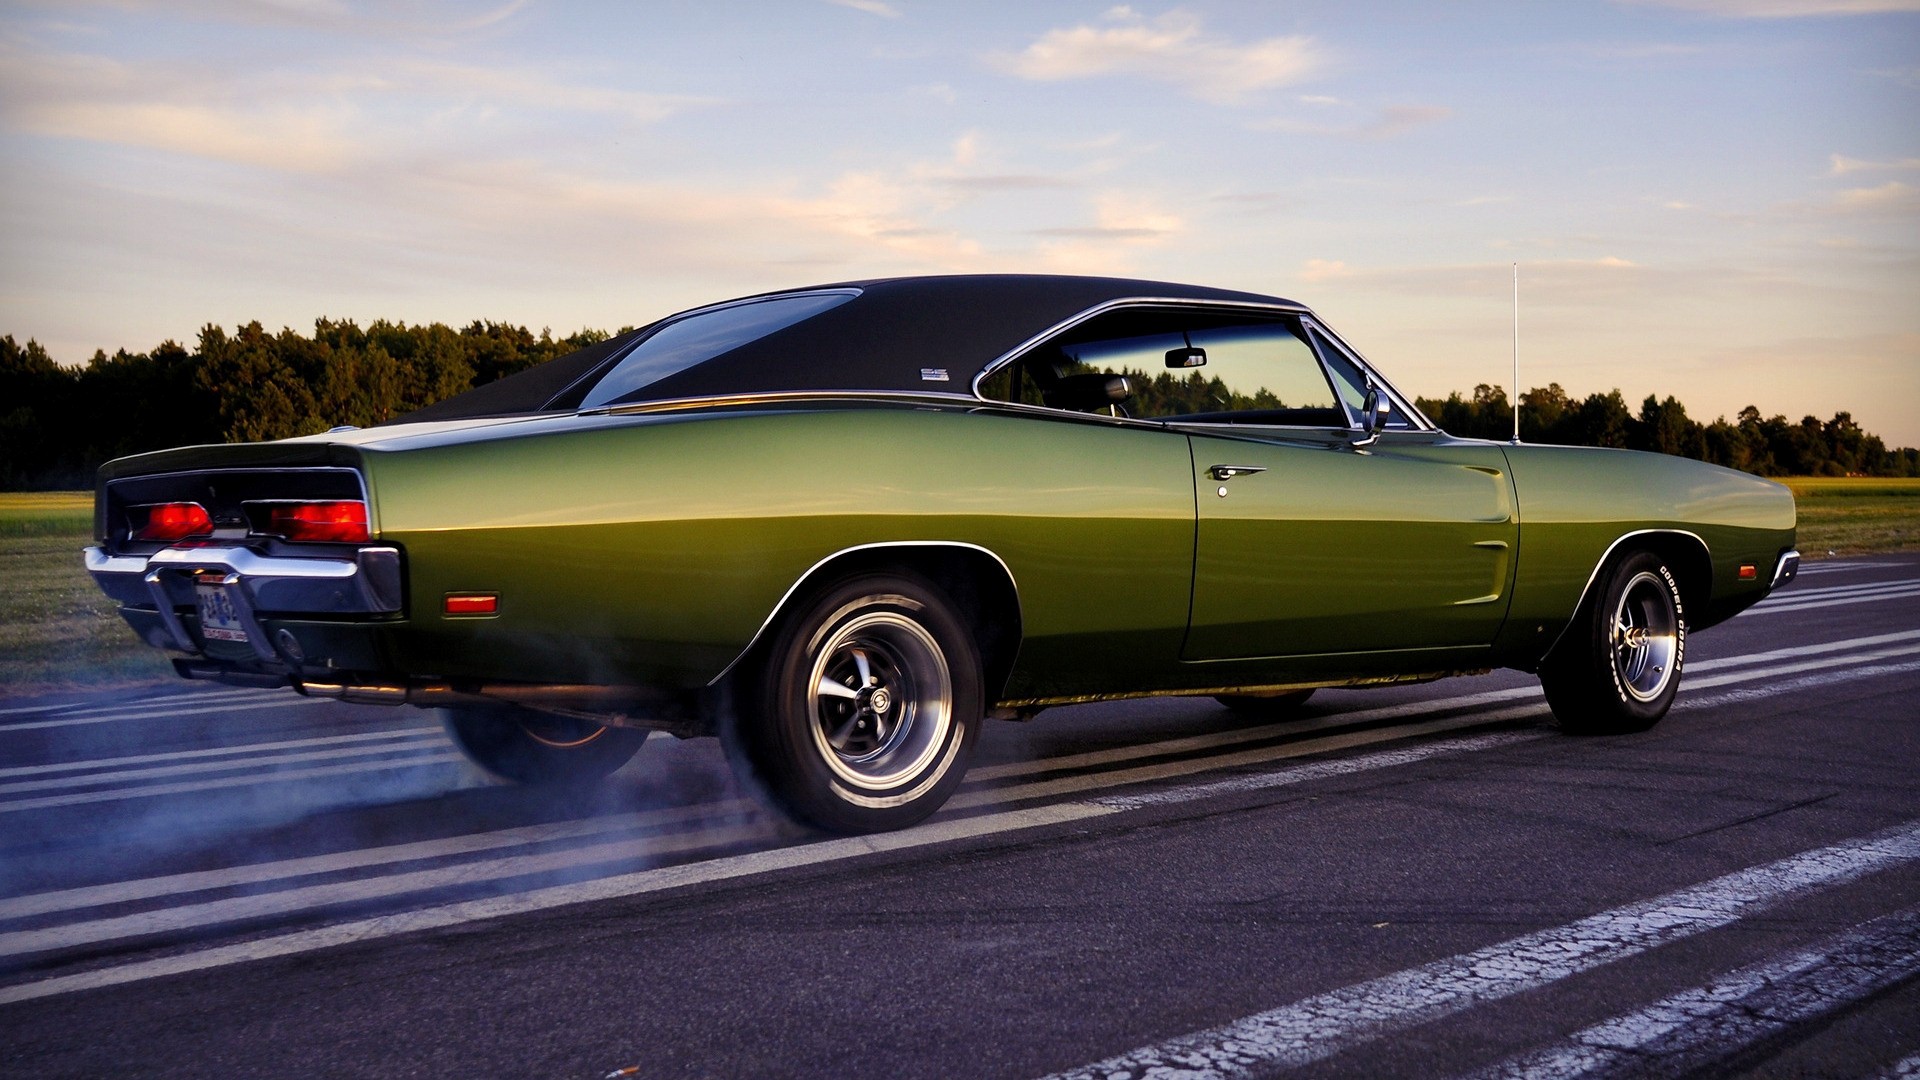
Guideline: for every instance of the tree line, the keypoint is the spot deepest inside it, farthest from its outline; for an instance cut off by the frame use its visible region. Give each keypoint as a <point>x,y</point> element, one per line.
<point>1769,446</point>
<point>59,423</point>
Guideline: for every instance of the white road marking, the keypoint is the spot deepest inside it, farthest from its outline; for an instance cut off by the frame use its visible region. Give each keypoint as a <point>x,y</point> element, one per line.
<point>161,715</point>
<point>1817,600</point>
<point>1326,1024</point>
<point>1907,1068</point>
<point>226,782</point>
<point>1302,773</point>
<point>1733,697</point>
<point>230,909</point>
<point>305,898</point>
<point>93,707</point>
<point>1686,1032</point>
<point>270,763</point>
<point>234,749</point>
<point>120,892</point>
<point>632,884</point>
<point>1790,595</point>
<point>1798,651</point>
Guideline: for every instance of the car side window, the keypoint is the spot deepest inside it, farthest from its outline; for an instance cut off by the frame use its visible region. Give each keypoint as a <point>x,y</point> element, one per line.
<point>1351,382</point>
<point>1192,366</point>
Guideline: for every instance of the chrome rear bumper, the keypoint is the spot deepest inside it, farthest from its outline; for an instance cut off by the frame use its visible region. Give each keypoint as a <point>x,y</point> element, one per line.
<point>1785,569</point>
<point>366,584</point>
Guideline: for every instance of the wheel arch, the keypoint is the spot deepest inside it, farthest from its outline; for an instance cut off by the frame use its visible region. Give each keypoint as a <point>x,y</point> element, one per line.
<point>1684,552</point>
<point>975,578</point>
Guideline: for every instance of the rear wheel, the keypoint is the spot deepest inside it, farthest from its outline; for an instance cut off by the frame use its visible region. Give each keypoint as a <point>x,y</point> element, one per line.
<point>1275,705</point>
<point>1618,667</point>
<point>530,747</point>
<point>869,702</point>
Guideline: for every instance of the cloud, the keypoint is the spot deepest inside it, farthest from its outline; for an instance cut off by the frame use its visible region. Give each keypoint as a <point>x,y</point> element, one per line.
<point>1783,9</point>
<point>871,7</point>
<point>1390,122</point>
<point>1171,48</point>
<point>1843,165</point>
<point>423,18</point>
<point>1891,198</point>
<point>284,119</point>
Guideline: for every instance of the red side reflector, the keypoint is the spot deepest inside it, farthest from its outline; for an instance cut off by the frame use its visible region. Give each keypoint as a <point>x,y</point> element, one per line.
<point>342,521</point>
<point>1748,571</point>
<point>172,521</point>
<point>474,604</point>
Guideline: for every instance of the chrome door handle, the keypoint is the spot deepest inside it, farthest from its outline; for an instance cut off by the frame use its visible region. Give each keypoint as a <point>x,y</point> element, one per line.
<point>1228,472</point>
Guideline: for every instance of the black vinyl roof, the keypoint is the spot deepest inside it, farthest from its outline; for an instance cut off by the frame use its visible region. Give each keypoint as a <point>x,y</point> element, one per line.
<point>889,337</point>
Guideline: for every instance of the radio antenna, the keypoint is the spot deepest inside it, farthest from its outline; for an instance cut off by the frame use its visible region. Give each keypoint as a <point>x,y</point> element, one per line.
<point>1516,354</point>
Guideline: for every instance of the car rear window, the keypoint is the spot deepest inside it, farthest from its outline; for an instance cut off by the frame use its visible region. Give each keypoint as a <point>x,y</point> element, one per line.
<point>697,338</point>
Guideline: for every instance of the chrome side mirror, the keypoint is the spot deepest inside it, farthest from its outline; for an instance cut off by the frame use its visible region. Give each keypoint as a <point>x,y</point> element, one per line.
<point>1373,416</point>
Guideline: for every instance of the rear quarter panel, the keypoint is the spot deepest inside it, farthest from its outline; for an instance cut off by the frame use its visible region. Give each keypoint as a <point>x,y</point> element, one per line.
<point>653,548</point>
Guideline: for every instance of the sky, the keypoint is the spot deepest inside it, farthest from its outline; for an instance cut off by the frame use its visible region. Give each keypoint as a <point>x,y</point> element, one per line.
<point>1717,200</point>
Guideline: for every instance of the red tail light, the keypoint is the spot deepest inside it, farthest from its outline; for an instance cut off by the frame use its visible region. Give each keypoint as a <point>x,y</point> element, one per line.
<point>171,521</point>
<point>340,522</point>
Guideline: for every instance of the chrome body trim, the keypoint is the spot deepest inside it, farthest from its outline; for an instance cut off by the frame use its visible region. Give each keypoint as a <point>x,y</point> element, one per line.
<point>776,396</point>
<point>1785,570</point>
<point>1608,554</point>
<point>781,605</point>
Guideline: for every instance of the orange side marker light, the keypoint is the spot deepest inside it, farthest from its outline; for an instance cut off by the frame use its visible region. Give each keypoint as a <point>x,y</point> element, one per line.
<point>1748,571</point>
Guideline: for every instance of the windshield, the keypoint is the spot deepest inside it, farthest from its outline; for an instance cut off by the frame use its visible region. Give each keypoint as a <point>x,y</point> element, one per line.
<point>697,338</point>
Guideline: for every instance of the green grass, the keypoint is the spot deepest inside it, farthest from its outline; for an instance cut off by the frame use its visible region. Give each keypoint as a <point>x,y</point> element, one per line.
<point>58,631</point>
<point>1854,516</point>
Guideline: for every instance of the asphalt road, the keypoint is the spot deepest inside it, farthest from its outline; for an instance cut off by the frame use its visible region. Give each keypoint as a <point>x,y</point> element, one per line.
<point>1419,881</point>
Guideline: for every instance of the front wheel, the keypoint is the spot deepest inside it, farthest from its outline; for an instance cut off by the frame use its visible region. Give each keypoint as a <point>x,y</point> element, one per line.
<point>870,699</point>
<point>530,747</point>
<point>1618,667</point>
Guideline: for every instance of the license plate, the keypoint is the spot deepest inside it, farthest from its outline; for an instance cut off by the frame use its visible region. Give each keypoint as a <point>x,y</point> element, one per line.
<point>218,619</point>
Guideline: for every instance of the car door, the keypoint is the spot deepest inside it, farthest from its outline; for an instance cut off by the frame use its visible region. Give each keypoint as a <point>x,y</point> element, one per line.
<point>1309,543</point>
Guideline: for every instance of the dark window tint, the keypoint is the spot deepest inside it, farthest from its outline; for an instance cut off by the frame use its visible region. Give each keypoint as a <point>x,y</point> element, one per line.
<point>694,339</point>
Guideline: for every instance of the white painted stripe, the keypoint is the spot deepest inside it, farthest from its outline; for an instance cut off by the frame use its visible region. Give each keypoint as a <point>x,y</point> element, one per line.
<point>409,732</point>
<point>121,892</point>
<point>1828,599</point>
<point>1790,594</point>
<point>1300,774</point>
<point>1839,601</point>
<point>1794,669</point>
<point>40,708</point>
<point>633,884</point>
<point>1798,651</point>
<point>191,917</point>
<point>1247,734</point>
<point>1735,697</point>
<point>125,702</point>
<point>270,762</point>
<point>1907,1068</point>
<point>225,782</point>
<point>1326,1024</point>
<point>1682,1034</point>
<point>284,701</point>
<point>1839,565</point>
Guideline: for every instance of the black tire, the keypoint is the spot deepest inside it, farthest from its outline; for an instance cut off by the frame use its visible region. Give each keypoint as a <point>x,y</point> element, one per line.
<point>1276,705</point>
<point>1617,669</point>
<point>888,749</point>
<point>529,747</point>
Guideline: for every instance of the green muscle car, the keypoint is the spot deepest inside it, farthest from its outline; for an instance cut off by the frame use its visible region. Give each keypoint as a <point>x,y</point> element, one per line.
<point>842,526</point>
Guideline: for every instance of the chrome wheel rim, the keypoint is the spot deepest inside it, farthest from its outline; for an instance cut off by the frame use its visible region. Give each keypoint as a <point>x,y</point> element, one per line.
<point>1646,636</point>
<point>881,700</point>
